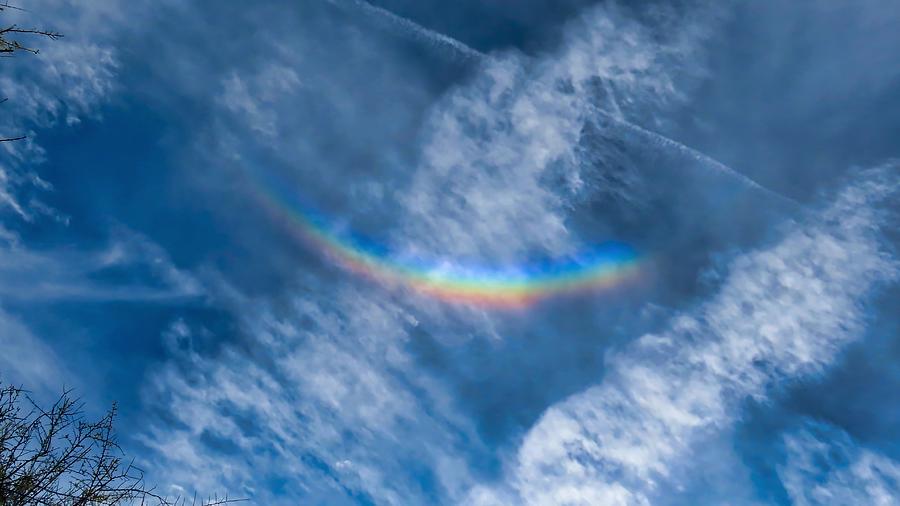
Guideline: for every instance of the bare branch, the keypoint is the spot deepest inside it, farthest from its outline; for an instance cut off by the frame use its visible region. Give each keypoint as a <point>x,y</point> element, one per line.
<point>10,46</point>
<point>55,457</point>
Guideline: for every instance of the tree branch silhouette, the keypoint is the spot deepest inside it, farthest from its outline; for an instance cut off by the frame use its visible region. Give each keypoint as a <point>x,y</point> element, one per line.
<point>56,457</point>
<point>10,44</point>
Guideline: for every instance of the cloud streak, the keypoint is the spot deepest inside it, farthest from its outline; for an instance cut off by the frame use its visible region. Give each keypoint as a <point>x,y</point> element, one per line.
<point>705,160</point>
<point>64,83</point>
<point>490,147</point>
<point>407,27</point>
<point>319,396</point>
<point>302,384</point>
<point>824,466</point>
<point>27,275</point>
<point>781,313</point>
<point>320,391</point>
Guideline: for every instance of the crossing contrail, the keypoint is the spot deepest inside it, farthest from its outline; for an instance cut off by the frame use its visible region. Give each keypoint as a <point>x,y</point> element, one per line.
<point>468,53</point>
<point>703,158</point>
<point>411,28</point>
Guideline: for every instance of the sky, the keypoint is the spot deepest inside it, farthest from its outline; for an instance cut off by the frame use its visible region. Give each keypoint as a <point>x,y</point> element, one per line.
<point>399,252</point>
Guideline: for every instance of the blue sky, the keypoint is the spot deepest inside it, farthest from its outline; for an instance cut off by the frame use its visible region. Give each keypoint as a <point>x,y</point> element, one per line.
<point>747,150</point>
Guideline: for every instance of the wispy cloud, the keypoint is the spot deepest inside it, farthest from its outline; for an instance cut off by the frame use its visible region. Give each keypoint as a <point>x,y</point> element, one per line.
<point>321,391</point>
<point>27,360</point>
<point>825,466</point>
<point>405,26</point>
<point>316,400</point>
<point>308,402</point>
<point>781,313</point>
<point>130,268</point>
<point>64,83</point>
<point>491,146</point>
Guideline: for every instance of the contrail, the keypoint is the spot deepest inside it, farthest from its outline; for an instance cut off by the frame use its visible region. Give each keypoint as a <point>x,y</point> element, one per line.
<point>412,28</point>
<point>708,161</point>
<point>460,49</point>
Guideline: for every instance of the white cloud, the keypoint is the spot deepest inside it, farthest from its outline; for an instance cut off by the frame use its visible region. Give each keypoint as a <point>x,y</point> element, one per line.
<point>323,394</point>
<point>30,278</point>
<point>825,467</point>
<point>256,98</point>
<point>781,313</point>
<point>71,274</point>
<point>326,394</point>
<point>492,145</point>
<point>491,153</point>
<point>26,360</point>
<point>64,83</point>
<point>332,396</point>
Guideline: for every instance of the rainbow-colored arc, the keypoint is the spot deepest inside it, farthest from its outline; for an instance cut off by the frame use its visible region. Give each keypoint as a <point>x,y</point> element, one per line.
<point>601,268</point>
